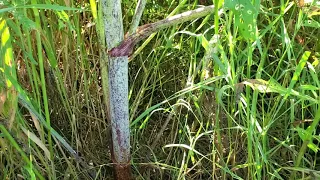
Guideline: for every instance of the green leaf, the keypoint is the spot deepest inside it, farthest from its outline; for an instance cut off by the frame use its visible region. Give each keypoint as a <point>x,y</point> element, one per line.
<point>262,85</point>
<point>313,147</point>
<point>298,71</point>
<point>303,134</point>
<point>245,16</point>
<point>29,169</point>
<point>272,86</point>
<point>204,42</point>
<point>63,17</point>
<point>40,6</point>
<point>26,22</point>
<point>309,87</point>
<point>61,24</point>
<point>311,23</point>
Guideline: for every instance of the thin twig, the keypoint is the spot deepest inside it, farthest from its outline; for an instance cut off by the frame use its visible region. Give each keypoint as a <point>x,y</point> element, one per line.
<point>137,16</point>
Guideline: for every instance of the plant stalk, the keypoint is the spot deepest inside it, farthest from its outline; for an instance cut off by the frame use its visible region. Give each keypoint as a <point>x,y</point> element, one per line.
<point>118,91</point>
<point>126,46</point>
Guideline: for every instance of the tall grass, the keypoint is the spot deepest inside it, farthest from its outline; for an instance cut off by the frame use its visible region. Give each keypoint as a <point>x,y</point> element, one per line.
<point>207,101</point>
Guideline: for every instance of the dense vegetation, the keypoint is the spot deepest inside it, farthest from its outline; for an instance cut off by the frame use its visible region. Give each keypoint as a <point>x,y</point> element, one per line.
<point>233,95</point>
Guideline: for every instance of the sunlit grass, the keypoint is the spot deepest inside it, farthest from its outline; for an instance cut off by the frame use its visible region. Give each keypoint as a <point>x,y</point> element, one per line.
<point>206,101</point>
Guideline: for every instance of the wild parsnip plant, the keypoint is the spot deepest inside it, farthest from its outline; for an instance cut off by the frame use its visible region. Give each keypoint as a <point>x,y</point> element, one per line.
<point>233,95</point>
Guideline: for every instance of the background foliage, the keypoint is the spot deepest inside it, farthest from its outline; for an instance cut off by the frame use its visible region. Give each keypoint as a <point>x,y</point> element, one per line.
<point>232,95</point>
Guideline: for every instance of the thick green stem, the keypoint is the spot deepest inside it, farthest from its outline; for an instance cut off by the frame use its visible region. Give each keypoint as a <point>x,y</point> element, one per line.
<point>118,90</point>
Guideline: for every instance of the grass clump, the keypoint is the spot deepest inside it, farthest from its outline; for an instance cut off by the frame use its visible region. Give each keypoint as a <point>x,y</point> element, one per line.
<point>228,96</point>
